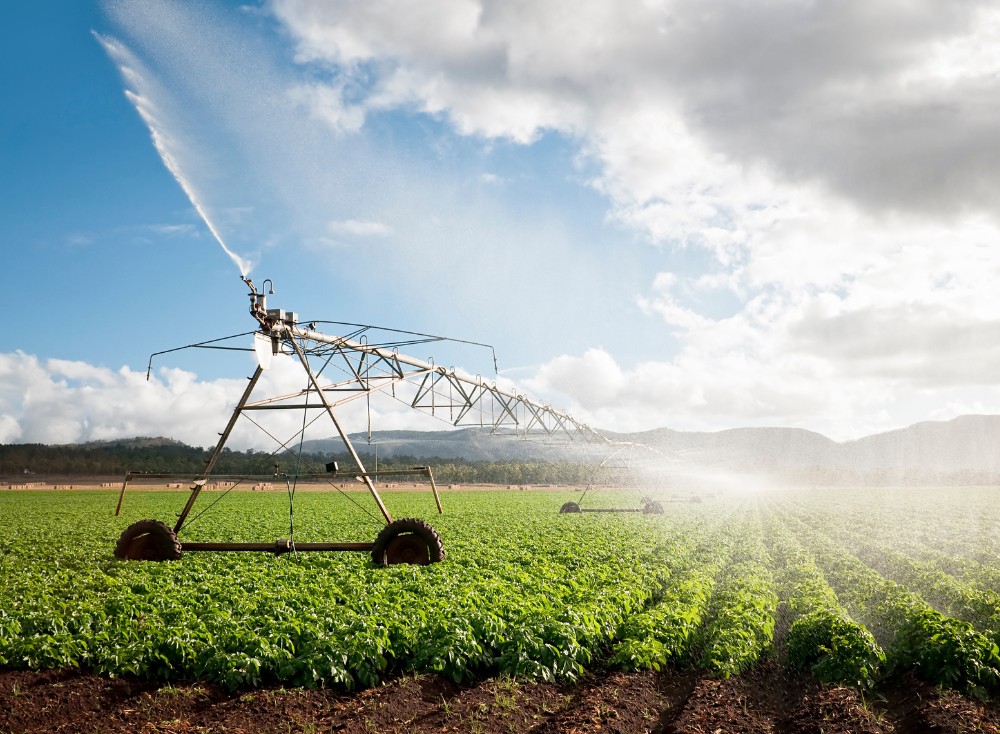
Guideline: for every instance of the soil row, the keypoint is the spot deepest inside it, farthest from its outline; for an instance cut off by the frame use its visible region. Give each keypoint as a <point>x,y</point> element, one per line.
<point>767,699</point>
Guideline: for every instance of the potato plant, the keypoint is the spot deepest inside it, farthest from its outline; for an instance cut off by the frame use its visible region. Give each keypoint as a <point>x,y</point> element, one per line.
<point>524,591</point>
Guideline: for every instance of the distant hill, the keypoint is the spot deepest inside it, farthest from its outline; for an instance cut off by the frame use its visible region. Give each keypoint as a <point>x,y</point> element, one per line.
<point>962,450</point>
<point>965,450</point>
<point>469,444</point>
<point>141,442</point>
<point>970,442</point>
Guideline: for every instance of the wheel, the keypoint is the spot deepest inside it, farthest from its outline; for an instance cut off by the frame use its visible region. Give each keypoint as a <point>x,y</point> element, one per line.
<point>569,507</point>
<point>653,508</point>
<point>407,541</point>
<point>148,540</point>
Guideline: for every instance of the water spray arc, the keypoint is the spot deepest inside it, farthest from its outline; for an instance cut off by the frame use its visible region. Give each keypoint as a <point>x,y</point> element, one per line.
<point>166,146</point>
<point>362,369</point>
<point>172,165</point>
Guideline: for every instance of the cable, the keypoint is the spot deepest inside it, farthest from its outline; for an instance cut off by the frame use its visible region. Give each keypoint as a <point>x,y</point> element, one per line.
<point>295,483</point>
<point>192,521</point>
<point>285,447</point>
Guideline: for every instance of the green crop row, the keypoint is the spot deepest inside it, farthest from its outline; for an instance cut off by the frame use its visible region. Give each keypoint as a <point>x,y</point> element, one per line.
<point>821,636</point>
<point>960,525</point>
<point>537,599</point>
<point>741,614</point>
<point>878,547</point>
<point>523,591</point>
<point>940,648</point>
<point>667,631</point>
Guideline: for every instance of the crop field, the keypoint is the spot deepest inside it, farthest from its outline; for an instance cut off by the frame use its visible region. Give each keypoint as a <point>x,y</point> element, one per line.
<point>845,589</point>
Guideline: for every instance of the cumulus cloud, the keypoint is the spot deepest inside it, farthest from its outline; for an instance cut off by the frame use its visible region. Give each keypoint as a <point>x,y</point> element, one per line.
<point>836,164</point>
<point>885,106</point>
<point>840,162</point>
<point>64,401</point>
<point>360,228</point>
<point>10,430</point>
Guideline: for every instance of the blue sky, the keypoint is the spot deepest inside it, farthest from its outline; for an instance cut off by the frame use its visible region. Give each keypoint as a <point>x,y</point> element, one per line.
<point>693,216</point>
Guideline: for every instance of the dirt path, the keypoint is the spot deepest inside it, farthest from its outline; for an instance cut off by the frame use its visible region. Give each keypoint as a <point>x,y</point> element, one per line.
<point>766,700</point>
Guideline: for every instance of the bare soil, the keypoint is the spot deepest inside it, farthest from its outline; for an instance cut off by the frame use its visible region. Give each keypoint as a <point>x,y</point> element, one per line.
<point>765,700</point>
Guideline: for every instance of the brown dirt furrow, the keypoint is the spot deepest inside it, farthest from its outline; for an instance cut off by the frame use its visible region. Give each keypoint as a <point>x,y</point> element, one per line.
<point>915,706</point>
<point>765,701</point>
<point>728,706</point>
<point>770,700</point>
<point>617,703</point>
<point>831,710</point>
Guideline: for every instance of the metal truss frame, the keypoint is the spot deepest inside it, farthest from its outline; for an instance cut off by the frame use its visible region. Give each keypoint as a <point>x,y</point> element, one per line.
<point>342,369</point>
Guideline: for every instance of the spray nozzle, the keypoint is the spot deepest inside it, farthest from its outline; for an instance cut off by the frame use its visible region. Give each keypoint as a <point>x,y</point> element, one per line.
<point>268,284</point>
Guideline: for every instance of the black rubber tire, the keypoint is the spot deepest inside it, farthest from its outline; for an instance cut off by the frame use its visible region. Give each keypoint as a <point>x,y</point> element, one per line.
<point>653,508</point>
<point>148,540</point>
<point>569,507</point>
<point>408,540</point>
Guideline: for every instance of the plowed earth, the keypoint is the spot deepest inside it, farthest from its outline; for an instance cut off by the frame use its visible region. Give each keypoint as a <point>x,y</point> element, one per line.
<point>765,700</point>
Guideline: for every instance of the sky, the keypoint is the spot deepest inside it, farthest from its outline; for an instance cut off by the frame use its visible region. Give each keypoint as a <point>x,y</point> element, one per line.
<point>692,215</point>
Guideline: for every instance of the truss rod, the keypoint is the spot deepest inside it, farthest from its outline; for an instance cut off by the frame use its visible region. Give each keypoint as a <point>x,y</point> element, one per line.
<point>472,389</point>
<point>340,430</point>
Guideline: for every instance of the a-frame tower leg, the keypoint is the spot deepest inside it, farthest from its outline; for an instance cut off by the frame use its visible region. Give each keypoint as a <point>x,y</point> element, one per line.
<point>343,436</point>
<point>199,481</point>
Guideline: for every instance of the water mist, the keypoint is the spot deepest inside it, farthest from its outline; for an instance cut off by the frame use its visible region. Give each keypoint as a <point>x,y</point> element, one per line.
<point>165,144</point>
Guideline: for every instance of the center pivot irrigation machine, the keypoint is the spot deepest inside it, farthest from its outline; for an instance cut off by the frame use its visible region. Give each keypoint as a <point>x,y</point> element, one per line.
<point>618,469</point>
<point>360,369</point>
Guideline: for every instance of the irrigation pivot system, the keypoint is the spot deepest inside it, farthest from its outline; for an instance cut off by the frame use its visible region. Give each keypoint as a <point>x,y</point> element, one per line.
<point>339,370</point>
<point>617,468</point>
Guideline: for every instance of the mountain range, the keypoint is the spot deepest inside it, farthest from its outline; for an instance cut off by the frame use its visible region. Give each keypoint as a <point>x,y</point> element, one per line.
<point>967,447</point>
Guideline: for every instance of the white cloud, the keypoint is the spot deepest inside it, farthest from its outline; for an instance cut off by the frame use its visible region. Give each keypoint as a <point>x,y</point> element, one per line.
<point>326,103</point>
<point>360,228</point>
<point>840,163</point>
<point>64,401</point>
<point>78,239</point>
<point>666,306</point>
<point>680,102</point>
<point>169,230</point>
<point>10,429</point>
<point>710,390</point>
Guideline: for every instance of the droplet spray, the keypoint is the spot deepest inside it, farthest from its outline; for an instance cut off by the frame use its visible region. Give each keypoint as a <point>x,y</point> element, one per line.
<point>163,143</point>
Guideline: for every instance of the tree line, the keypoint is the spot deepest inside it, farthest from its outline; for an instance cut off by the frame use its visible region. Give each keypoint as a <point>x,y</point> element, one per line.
<point>112,459</point>
<point>36,462</point>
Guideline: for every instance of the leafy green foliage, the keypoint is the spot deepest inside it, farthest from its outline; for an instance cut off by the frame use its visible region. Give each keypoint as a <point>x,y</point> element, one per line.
<point>538,599</point>
<point>741,627</point>
<point>949,652</point>
<point>834,648</point>
<point>822,637</point>
<point>524,591</point>
<point>942,649</point>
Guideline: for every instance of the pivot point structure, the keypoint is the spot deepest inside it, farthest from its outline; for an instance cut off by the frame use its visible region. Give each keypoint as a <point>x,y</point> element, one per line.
<point>338,370</point>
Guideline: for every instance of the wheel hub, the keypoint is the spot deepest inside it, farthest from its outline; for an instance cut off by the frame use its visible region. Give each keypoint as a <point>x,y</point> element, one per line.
<point>408,548</point>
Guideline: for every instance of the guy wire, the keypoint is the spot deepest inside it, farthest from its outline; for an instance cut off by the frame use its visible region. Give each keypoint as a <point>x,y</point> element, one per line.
<point>295,481</point>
